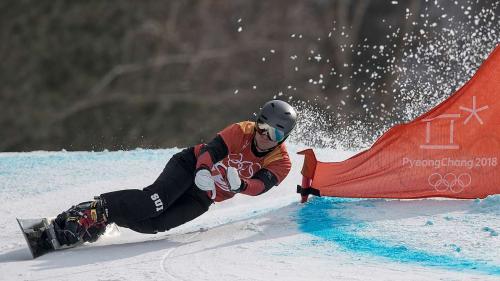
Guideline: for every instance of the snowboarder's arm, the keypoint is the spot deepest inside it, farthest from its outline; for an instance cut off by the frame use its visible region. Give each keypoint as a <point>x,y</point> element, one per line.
<point>211,153</point>
<point>227,141</point>
<point>266,178</point>
<point>260,183</point>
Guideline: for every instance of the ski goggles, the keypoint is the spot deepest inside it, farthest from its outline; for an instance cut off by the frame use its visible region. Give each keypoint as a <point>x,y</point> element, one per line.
<point>272,133</point>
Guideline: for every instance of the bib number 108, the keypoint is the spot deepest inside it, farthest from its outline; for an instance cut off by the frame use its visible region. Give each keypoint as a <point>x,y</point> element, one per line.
<point>158,203</point>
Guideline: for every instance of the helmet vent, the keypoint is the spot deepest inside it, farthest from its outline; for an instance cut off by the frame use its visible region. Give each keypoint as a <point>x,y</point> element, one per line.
<point>278,125</point>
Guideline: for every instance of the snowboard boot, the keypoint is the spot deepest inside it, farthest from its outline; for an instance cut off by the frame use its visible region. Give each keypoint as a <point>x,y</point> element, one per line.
<point>84,222</point>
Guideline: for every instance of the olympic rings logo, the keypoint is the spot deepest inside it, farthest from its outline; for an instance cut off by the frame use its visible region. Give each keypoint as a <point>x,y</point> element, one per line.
<point>246,169</point>
<point>450,182</point>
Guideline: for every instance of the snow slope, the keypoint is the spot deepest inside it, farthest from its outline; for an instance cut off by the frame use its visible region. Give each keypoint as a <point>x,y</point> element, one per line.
<point>270,237</point>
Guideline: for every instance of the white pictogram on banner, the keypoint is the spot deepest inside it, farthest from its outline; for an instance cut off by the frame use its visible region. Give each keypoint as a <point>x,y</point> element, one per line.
<point>450,144</point>
<point>473,111</point>
<point>450,182</point>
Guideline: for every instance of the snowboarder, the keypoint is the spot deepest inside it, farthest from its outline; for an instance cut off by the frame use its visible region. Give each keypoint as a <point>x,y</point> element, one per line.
<point>248,157</point>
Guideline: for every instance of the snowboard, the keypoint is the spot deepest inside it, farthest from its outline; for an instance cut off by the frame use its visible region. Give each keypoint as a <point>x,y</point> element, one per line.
<point>40,236</point>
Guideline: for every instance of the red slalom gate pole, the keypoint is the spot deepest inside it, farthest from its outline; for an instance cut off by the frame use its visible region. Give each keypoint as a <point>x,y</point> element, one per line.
<point>306,183</point>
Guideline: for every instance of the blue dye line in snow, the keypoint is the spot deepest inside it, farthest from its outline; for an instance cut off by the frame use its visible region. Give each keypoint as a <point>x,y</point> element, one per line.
<point>314,218</point>
<point>31,173</point>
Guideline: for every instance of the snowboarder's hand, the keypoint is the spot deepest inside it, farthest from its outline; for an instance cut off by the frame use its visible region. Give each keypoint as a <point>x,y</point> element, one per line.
<point>233,178</point>
<point>204,181</point>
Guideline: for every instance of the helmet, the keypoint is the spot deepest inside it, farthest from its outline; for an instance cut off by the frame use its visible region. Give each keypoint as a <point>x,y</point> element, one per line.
<point>278,114</point>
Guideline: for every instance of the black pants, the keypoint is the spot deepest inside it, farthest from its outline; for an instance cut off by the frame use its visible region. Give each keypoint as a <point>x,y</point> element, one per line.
<point>173,199</point>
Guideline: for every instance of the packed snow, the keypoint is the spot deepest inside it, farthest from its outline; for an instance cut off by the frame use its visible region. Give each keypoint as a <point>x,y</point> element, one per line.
<point>270,237</point>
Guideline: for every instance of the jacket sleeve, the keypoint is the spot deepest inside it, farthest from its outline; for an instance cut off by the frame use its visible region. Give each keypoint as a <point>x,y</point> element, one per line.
<point>211,153</point>
<point>272,174</point>
<point>260,183</point>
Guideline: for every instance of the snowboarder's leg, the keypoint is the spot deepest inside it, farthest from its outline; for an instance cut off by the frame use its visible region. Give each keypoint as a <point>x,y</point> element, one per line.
<point>189,206</point>
<point>127,206</point>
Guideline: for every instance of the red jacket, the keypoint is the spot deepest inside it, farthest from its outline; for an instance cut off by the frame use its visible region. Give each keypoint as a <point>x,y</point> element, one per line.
<point>234,147</point>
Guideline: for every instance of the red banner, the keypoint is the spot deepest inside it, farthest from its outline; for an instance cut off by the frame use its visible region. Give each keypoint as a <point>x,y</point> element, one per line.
<point>451,151</point>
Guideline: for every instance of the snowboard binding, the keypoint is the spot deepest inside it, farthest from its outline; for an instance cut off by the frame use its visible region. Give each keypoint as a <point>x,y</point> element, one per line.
<point>84,222</point>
